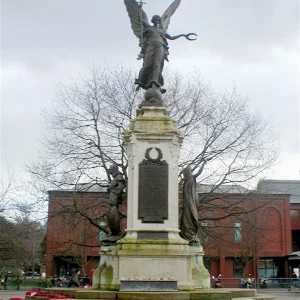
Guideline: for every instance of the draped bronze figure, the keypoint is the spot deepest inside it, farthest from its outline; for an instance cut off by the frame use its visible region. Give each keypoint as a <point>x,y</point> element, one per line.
<point>189,221</point>
<point>153,43</point>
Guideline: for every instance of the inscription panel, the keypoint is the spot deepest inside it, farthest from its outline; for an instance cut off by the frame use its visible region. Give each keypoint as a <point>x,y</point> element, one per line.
<point>153,192</point>
<point>148,235</point>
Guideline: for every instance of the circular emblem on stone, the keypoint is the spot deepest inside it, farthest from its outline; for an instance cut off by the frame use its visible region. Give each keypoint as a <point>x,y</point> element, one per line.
<point>159,155</point>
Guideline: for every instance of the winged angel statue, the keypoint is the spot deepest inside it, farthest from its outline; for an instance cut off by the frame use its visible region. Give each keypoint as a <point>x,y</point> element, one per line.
<point>153,42</point>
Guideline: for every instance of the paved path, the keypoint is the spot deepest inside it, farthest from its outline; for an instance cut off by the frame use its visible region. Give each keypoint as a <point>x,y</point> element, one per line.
<point>280,294</point>
<point>6,294</point>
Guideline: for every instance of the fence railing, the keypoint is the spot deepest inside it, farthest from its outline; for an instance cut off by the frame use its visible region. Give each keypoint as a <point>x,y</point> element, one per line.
<point>15,282</point>
<point>271,283</point>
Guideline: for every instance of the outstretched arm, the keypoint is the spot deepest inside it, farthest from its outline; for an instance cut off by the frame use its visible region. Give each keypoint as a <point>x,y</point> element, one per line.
<point>175,37</point>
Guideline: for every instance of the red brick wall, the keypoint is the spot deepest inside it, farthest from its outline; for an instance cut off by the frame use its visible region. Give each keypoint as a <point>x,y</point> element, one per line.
<point>266,230</point>
<point>68,231</point>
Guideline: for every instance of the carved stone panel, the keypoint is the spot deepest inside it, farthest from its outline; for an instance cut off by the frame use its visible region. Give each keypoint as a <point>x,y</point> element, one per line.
<point>149,235</point>
<point>153,189</point>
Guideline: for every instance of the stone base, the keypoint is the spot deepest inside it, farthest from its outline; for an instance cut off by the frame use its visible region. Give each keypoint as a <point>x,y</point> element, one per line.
<point>221,294</point>
<point>148,285</point>
<point>154,259</point>
<point>105,275</point>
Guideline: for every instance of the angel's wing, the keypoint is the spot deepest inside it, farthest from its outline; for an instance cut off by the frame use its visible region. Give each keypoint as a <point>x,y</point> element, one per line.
<point>134,13</point>
<point>165,19</point>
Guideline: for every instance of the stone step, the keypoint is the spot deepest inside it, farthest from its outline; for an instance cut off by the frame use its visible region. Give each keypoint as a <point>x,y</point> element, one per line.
<point>215,294</point>
<point>264,297</point>
<point>257,297</point>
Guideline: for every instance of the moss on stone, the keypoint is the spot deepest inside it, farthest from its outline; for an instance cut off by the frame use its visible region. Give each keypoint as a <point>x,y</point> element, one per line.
<point>153,295</point>
<point>131,240</point>
<point>107,274</point>
<point>107,295</point>
<point>87,294</point>
<point>223,295</point>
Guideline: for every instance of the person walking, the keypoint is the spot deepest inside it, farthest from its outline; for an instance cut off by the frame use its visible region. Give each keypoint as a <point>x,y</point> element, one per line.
<point>5,280</point>
<point>74,279</point>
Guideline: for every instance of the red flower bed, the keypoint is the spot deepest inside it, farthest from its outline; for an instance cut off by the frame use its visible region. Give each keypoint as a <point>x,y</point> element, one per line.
<point>14,298</point>
<point>45,294</point>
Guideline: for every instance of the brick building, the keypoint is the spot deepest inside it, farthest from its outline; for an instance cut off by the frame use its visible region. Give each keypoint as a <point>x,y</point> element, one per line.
<point>255,239</point>
<point>291,187</point>
<point>72,242</point>
<point>260,242</point>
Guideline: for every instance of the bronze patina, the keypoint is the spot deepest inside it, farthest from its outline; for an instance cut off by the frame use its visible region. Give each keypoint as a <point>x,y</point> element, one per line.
<point>153,42</point>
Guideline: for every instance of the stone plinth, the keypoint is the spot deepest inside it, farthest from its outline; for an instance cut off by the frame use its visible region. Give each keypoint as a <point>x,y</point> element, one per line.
<point>152,146</point>
<point>105,276</point>
<point>159,259</point>
<point>220,294</point>
<point>152,247</point>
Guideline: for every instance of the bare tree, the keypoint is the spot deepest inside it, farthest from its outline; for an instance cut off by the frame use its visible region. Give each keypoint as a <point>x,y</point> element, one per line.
<point>7,193</point>
<point>224,141</point>
<point>246,233</point>
<point>15,200</point>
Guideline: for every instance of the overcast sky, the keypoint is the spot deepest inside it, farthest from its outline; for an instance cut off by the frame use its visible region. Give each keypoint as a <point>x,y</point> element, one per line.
<point>252,44</point>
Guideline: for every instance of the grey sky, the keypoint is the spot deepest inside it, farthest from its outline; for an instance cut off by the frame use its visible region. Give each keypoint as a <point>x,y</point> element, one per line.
<point>253,44</point>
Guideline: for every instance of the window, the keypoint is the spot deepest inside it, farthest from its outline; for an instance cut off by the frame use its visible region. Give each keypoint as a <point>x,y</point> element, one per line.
<point>206,262</point>
<point>237,231</point>
<point>294,213</point>
<point>203,232</point>
<point>267,268</point>
<point>237,268</point>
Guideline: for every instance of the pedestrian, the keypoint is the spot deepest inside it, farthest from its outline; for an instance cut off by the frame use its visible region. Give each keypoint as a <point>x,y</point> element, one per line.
<point>74,279</point>
<point>91,275</point>
<point>295,283</point>
<point>5,280</point>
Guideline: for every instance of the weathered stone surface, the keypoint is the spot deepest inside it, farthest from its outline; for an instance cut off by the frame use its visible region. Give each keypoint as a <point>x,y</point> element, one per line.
<point>200,275</point>
<point>213,294</point>
<point>152,142</point>
<point>238,293</point>
<point>95,294</point>
<point>105,276</point>
<point>152,129</point>
<point>153,296</point>
<point>148,285</point>
<point>154,235</point>
<point>153,120</point>
<point>228,293</point>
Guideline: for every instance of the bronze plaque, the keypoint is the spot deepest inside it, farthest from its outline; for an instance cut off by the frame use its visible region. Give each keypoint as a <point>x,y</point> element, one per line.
<point>153,189</point>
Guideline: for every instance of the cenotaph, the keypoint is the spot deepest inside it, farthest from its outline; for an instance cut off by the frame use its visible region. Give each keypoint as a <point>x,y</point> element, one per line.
<point>152,248</point>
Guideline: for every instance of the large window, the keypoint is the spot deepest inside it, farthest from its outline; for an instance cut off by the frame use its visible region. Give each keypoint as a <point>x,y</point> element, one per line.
<point>203,232</point>
<point>237,268</point>
<point>267,268</point>
<point>237,231</point>
<point>294,213</point>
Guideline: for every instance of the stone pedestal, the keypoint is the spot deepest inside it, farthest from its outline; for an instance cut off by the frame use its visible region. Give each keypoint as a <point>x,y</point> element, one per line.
<point>152,146</point>
<point>152,246</point>
<point>105,277</point>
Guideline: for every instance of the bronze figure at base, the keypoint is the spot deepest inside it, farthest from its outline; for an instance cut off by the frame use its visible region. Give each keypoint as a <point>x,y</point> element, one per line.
<point>189,219</point>
<point>110,223</point>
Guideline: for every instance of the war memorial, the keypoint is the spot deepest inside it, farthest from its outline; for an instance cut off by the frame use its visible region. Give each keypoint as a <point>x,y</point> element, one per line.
<point>159,256</point>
